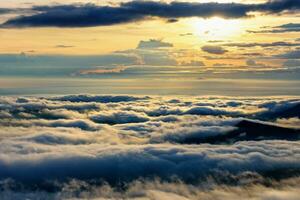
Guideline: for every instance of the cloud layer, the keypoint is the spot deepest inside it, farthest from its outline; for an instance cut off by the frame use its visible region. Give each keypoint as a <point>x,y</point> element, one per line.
<point>92,15</point>
<point>86,143</point>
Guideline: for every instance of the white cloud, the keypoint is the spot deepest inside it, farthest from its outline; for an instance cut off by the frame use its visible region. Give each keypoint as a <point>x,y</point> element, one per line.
<point>135,138</point>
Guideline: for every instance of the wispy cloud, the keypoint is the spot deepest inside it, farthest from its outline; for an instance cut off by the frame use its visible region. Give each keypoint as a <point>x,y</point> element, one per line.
<point>285,28</point>
<point>256,44</point>
<point>102,70</point>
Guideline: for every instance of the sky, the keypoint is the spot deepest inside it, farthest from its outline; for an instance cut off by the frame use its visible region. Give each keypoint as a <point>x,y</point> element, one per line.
<point>133,99</point>
<point>186,46</point>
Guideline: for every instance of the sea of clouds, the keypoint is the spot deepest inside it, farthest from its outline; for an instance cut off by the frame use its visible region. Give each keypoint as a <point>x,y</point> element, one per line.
<point>149,147</point>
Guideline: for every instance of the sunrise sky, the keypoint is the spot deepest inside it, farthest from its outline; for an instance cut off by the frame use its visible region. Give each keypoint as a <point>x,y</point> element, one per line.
<point>165,40</point>
<point>154,100</point>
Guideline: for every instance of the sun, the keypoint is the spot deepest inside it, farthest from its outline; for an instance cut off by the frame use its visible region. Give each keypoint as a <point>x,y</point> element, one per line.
<point>216,28</point>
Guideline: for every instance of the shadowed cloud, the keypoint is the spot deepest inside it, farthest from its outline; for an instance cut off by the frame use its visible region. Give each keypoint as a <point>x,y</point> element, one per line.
<point>153,44</point>
<point>92,15</point>
<point>284,28</point>
<point>214,49</point>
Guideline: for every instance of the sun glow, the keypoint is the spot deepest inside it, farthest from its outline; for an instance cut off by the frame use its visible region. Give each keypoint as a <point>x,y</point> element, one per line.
<point>216,28</point>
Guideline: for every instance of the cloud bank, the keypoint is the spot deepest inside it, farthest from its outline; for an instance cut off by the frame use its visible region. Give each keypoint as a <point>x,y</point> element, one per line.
<point>92,15</point>
<point>97,146</point>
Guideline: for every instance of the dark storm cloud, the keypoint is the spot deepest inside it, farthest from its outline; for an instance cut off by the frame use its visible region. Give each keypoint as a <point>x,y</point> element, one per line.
<point>91,15</point>
<point>214,49</point>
